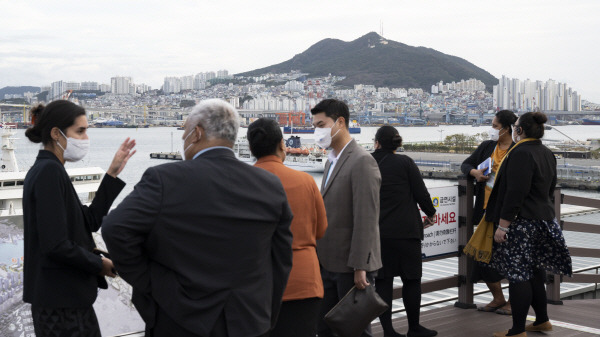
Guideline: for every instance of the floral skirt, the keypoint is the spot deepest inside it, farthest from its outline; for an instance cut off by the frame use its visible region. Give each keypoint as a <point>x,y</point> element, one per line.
<point>531,245</point>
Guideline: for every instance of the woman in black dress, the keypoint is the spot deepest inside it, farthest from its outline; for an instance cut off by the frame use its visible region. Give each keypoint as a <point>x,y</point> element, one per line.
<point>528,240</point>
<point>61,272</point>
<point>401,230</point>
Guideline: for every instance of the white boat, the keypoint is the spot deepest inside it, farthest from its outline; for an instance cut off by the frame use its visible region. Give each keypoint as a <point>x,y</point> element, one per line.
<point>304,158</point>
<point>86,180</point>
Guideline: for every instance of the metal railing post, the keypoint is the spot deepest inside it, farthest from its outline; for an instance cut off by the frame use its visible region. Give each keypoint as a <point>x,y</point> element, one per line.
<point>465,231</point>
<point>553,280</point>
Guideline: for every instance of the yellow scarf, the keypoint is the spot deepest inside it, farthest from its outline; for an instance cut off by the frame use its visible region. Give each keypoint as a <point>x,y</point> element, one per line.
<point>480,244</point>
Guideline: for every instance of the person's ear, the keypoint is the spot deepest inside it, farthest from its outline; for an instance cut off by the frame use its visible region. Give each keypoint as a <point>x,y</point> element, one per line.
<point>282,145</point>
<point>198,132</point>
<point>55,133</point>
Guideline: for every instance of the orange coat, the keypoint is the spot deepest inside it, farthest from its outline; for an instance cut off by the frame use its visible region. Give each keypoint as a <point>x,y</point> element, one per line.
<point>308,225</point>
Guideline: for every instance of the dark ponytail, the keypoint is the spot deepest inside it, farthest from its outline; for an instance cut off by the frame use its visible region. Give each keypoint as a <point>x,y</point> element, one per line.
<point>388,137</point>
<point>60,114</point>
<point>532,124</point>
<point>34,134</point>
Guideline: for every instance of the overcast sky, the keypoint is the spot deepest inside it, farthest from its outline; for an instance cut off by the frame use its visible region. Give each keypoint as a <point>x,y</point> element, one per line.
<point>46,41</point>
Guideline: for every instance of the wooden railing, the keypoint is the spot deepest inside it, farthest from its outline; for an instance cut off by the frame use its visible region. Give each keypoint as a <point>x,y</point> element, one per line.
<point>465,265</point>
<point>553,283</point>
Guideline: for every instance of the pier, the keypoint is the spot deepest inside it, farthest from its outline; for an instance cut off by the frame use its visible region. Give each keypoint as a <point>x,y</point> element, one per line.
<point>574,173</point>
<point>583,183</point>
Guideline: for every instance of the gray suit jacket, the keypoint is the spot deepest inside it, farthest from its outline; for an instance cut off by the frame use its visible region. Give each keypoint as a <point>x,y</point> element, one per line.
<point>351,199</point>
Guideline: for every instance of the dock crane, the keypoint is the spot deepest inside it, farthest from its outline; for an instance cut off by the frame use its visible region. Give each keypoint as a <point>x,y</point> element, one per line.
<point>67,94</point>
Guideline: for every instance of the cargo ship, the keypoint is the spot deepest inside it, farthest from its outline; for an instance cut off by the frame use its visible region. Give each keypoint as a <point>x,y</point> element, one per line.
<point>587,121</point>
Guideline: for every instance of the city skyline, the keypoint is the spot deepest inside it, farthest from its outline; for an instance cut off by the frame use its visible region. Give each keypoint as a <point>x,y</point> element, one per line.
<point>80,42</point>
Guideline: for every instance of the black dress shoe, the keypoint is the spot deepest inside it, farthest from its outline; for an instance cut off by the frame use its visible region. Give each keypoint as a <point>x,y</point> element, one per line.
<point>422,332</point>
<point>394,334</point>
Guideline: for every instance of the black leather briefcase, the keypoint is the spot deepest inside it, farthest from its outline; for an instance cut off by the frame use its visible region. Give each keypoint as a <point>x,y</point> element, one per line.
<point>355,311</point>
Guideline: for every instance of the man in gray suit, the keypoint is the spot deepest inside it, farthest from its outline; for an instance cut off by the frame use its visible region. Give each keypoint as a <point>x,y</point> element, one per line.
<point>205,242</point>
<point>349,253</point>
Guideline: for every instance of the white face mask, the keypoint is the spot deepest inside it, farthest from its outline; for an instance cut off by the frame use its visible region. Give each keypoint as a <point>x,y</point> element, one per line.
<point>495,134</point>
<point>76,148</point>
<point>183,145</point>
<point>323,137</point>
<point>515,137</point>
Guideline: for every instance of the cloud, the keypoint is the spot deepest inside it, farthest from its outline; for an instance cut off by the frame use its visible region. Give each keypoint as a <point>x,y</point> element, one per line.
<point>79,40</point>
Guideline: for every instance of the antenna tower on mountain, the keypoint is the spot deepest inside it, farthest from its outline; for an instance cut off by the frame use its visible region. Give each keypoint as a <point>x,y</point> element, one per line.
<point>381,28</point>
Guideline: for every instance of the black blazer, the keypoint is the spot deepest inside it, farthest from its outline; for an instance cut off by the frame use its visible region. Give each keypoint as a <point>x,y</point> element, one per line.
<point>525,186</point>
<point>483,152</point>
<point>402,187</point>
<point>60,269</point>
<point>201,237</point>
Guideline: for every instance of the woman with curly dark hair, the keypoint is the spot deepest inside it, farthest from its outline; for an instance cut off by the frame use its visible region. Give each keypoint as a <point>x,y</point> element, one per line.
<point>528,239</point>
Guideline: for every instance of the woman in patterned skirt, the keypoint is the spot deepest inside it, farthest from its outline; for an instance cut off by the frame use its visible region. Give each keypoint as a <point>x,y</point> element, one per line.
<point>528,240</point>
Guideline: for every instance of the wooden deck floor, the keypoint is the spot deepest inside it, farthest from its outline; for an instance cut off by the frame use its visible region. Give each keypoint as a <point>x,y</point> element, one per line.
<point>573,318</point>
<point>576,318</point>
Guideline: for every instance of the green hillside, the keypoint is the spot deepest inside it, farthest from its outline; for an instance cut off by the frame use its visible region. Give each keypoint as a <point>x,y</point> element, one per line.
<point>371,59</point>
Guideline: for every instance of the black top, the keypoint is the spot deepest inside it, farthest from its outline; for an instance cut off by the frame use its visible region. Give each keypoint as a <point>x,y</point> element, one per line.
<point>481,153</point>
<point>60,269</point>
<point>525,186</point>
<point>402,187</point>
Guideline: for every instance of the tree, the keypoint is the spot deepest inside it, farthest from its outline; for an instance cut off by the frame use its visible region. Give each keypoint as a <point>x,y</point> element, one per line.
<point>461,142</point>
<point>186,103</point>
<point>15,101</point>
<point>42,96</point>
<point>245,98</point>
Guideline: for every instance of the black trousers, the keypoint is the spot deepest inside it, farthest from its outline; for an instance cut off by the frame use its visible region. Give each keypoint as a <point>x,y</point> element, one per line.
<point>65,322</point>
<point>336,285</point>
<point>298,318</point>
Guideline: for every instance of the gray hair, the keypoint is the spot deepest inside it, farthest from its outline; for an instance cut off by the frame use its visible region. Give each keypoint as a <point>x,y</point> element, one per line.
<point>219,119</point>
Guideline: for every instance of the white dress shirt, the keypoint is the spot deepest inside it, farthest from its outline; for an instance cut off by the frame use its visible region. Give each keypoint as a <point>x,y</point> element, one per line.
<point>333,160</point>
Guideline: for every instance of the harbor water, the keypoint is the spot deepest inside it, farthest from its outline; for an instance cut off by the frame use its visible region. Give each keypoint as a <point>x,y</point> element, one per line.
<point>104,142</point>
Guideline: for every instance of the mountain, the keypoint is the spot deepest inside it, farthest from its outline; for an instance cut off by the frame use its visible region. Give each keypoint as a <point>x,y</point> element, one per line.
<point>17,90</point>
<point>371,59</point>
